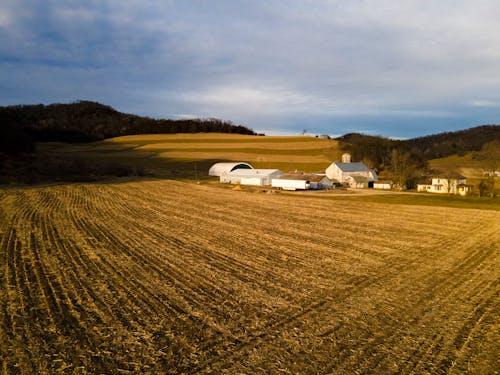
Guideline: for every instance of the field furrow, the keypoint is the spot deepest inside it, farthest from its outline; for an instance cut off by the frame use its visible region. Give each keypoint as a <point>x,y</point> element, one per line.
<point>171,277</point>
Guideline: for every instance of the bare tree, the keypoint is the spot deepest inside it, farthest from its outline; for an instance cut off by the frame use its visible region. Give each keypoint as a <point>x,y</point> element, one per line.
<point>402,167</point>
<point>489,158</point>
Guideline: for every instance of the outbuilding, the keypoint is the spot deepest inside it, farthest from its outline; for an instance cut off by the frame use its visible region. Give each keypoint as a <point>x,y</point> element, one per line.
<point>356,182</point>
<point>300,181</point>
<point>218,169</point>
<point>256,177</point>
<point>383,184</point>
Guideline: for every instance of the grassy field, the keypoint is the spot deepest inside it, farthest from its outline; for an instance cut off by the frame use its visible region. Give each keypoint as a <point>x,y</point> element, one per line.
<point>466,165</point>
<point>170,277</point>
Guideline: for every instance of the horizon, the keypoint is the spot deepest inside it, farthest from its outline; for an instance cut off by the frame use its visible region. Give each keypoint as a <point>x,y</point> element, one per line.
<point>399,70</point>
<point>275,134</point>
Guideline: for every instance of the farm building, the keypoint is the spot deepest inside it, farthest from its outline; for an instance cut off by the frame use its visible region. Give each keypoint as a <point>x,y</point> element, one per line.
<point>447,185</point>
<point>355,175</point>
<point>356,182</point>
<point>218,169</point>
<point>383,184</point>
<point>257,177</point>
<point>300,181</point>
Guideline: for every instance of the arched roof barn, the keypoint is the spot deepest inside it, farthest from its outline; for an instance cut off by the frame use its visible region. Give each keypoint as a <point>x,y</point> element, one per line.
<point>218,169</point>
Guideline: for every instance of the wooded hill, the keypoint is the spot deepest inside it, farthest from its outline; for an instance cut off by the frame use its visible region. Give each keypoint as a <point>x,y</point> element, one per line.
<point>377,149</point>
<point>86,121</point>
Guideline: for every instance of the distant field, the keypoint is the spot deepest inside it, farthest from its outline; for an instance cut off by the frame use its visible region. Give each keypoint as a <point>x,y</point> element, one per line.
<point>187,155</point>
<point>171,277</point>
<point>465,165</point>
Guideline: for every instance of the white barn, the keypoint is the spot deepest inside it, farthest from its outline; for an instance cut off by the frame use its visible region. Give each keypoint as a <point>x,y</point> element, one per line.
<point>296,181</point>
<point>356,175</point>
<point>218,169</point>
<point>256,177</point>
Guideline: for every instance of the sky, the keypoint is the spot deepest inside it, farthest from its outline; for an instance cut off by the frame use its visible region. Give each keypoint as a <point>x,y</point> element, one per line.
<point>399,69</point>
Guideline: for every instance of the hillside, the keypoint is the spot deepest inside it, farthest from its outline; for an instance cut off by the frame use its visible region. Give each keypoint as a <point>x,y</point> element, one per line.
<point>454,143</point>
<point>87,121</point>
<point>166,156</point>
<point>376,150</point>
<point>87,141</point>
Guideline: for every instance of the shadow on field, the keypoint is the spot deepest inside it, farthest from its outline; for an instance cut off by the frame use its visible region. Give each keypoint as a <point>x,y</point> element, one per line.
<point>94,162</point>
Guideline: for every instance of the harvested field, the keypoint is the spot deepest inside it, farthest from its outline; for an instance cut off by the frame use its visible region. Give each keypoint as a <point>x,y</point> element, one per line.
<point>177,156</point>
<point>170,277</point>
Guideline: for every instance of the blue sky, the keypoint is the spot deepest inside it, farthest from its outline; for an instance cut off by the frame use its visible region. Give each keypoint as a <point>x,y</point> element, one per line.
<point>393,68</point>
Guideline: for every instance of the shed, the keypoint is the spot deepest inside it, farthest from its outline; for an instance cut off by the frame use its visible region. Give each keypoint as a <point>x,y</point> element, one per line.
<point>383,184</point>
<point>302,181</point>
<point>218,169</point>
<point>257,177</point>
<point>357,182</point>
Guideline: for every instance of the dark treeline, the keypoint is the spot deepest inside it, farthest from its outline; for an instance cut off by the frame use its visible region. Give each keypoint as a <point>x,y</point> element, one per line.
<point>377,150</point>
<point>451,143</point>
<point>86,121</point>
<point>406,161</point>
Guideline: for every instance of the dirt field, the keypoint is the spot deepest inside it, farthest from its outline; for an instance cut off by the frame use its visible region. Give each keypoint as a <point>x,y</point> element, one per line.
<point>170,277</point>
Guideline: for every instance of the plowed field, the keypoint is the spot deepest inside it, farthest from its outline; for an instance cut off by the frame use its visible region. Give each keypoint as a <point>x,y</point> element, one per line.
<point>169,277</point>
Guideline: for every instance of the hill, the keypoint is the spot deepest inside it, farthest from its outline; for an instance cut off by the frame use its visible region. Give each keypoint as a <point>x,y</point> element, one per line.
<point>176,156</point>
<point>377,150</point>
<point>86,121</point>
<point>453,143</point>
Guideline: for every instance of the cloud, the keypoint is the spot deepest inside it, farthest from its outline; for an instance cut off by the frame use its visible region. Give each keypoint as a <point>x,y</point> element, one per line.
<point>267,64</point>
<point>481,103</point>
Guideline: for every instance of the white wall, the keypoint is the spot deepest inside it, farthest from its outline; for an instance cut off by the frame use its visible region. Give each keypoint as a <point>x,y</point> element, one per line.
<point>289,184</point>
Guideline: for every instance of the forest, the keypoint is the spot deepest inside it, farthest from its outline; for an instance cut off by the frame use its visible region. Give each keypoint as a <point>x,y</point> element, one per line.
<point>87,121</point>
<point>407,160</point>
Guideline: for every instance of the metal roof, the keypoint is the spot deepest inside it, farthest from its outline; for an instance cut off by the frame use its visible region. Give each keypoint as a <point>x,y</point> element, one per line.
<point>352,167</point>
<point>359,179</point>
<point>300,176</point>
<point>252,172</point>
<point>218,169</point>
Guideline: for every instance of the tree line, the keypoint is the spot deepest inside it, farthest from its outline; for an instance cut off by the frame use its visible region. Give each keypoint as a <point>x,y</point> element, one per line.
<point>406,161</point>
<point>87,121</point>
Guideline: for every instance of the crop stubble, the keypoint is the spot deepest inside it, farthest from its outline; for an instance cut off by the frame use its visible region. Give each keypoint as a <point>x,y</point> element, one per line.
<point>167,276</point>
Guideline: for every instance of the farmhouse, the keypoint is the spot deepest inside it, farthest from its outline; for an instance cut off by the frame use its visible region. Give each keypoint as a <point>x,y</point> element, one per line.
<point>447,185</point>
<point>355,175</point>
<point>301,181</point>
<point>257,177</point>
<point>218,169</point>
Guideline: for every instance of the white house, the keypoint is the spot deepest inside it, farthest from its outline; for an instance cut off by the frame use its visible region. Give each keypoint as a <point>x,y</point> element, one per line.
<point>301,181</point>
<point>354,175</point>
<point>257,177</point>
<point>218,169</point>
<point>447,185</point>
